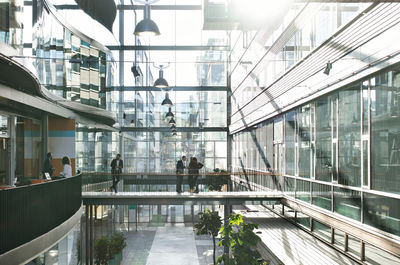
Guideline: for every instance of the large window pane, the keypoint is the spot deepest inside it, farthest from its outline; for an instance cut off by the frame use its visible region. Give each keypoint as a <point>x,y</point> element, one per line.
<point>303,190</point>
<point>304,130</point>
<point>350,136</point>
<point>385,132</point>
<point>289,143</point>
<point>323,141</point>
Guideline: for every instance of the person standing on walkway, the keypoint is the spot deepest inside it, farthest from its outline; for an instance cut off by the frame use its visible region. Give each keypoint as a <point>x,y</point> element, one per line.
<point>48,166</point>
<point>194,167</point>
<point>116,168</point>
<point>180,169</point>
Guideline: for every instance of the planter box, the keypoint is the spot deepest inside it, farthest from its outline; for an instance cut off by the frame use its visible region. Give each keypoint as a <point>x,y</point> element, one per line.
<point>116,260</point>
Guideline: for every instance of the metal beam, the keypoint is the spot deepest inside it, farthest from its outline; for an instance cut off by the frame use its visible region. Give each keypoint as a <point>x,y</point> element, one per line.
<point>169,48</point>
<point>173,88</point>
<point>173,198</point>
<point>168,129</point>
<point>160,7</point>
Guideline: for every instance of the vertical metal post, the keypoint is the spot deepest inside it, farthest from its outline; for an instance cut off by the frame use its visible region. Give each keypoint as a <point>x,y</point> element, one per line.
<point>283,209</point>
<point>227,213</point>
<point>87,235</point>
<point>91,233</point>
<point>332,235</point>
<point>346,242</point>
<point>362,251</point>
<point>137,216</point>
<point>12,150</point>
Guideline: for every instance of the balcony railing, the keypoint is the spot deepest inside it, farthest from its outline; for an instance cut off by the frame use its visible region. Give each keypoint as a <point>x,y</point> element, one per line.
<point>28,212</point>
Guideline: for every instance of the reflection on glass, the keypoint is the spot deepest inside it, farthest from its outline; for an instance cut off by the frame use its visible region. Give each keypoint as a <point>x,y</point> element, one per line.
<point>382,212</point>
<point>304,132</point>
<point>385,132</point>
<point>303,190</point>
<point>350,136</point>
<point>289,143</point>
<point>322,195</point>
<point>322,230</point>
<point>347,202</point>
<point>323,141</point>
<point>354,246</point>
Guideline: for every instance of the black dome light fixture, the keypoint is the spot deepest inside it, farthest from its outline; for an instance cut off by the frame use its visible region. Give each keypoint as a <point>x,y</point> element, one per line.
<point>173,127</point>
<point>146,27</point>
<point>172,121</point>
<point>167,102</point>
<point>174,134</point>
<point>161,82</point>
<point>169,113</point>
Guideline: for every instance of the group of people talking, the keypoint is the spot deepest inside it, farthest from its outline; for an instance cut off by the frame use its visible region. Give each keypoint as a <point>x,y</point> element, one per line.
<point>193,170</point>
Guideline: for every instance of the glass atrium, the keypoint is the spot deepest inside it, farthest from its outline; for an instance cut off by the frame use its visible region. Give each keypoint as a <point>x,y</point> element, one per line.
<point>295,104</point>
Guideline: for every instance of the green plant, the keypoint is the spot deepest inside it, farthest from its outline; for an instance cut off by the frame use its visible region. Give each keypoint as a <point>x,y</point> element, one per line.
<point>240,238</point>
<point>216,181</point>
<point>117,244</point>
<point>210,224</point>
<point>101,251</point>
<point>105,249</point>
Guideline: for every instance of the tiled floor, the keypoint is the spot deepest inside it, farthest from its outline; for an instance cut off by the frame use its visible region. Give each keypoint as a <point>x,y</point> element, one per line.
<point>175,244</point>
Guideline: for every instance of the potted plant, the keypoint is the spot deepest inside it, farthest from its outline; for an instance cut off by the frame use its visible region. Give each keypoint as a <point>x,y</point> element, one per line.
<point>101,251</point>
<point>210,224</point>
<point>240,238</point>
<point>217,180</point>
<point>109,251</point>
<point>117,244</point>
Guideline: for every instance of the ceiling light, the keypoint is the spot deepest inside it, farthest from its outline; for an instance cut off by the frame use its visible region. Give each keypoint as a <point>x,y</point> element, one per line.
<point>146,27</point>
<point>169,113</point>
<point>161,82</point>
<point>173,127</point>
<point>174,134</point>
<point>328,68</point>
<point>172,121</point>
<point>167,102</point>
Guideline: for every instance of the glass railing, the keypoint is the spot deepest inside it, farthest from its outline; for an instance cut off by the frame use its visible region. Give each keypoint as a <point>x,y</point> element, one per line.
<point>167,181</point>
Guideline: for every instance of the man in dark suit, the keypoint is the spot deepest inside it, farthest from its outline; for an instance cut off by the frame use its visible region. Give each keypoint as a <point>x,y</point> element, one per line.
<point>116,168</point>
<point>180,169</point>
<point>47,166</point>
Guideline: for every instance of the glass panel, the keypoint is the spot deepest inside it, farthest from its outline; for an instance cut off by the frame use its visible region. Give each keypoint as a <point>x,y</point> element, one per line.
<point>289,143</point>
<point>365,107</point>
<point>376,256</point>
<point>385,132</point>
<point>350,136</point>
<point>354,246</point>
<point>289,186</point>
<point>323,141</point>
<point>347,203</point>
<point>304,130</point>
<point>365,163</point>
<point>339,238</point>
<point>322,195</point>
<point>303,190</point>
<point>322,230</point>
<point>303,220</point>
<point>382,212</point>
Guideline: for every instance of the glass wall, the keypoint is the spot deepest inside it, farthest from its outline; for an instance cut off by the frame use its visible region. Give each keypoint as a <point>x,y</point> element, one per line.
<point>350,137</point>
<point>11,23</point>
<point>69,66</point>
<point>159,151</point>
